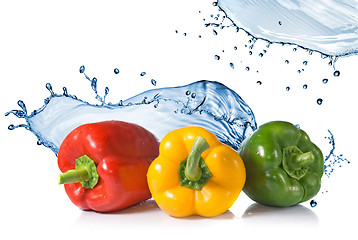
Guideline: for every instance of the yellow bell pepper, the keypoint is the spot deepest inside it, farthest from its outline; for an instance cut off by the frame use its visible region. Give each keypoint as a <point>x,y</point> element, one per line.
<point>195,174</point>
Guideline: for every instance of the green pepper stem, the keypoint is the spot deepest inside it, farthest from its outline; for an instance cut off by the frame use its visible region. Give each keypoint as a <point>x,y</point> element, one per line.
<point>297,161</point>
<point>193,171</point>
<point>85,173</point>
<point>79,174</point>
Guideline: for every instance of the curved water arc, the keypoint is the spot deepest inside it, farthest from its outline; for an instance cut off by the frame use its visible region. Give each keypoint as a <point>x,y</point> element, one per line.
<point>209,104</point>
<point>326,27</point>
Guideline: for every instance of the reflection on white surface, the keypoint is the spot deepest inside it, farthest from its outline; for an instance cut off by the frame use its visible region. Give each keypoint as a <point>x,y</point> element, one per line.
<point>128,217</point>
<point>150,213</point>
<point>147,211</point>
<point>298,214</point>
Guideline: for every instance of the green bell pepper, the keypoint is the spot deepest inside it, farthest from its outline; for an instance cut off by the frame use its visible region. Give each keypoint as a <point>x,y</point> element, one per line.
<point>283,167</point>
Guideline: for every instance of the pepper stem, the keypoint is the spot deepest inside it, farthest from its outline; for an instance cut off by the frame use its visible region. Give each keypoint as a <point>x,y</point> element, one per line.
<point>193,171</point>
<point>79,174</point>
<point>85,173</point>
<point>295,162</point>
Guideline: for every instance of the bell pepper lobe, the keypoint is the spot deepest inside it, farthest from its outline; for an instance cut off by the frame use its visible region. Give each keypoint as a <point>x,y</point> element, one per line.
<point>195,174</point>
<point>283,166</point>
<point>104,165</point>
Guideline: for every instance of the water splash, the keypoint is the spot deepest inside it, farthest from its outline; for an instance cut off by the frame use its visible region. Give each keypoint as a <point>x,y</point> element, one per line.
<point>329,27</point>
<point>219,20</point>
<point>208,104</point>
<point>93,82</point>
<point>332,160</point>
<point>313,203</point>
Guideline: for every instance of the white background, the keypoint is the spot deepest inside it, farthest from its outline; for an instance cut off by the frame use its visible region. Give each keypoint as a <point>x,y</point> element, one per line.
<point>43,41</point>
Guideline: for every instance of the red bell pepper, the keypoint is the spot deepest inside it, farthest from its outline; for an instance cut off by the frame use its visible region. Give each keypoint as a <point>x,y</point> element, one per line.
<point>105,164</point>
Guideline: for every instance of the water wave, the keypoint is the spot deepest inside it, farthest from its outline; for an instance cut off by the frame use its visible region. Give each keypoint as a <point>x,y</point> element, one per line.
<point>211,105</point>
<point>326,26</point>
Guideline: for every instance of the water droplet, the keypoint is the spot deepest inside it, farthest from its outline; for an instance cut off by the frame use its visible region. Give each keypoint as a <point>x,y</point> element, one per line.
<point>184,34</point>
<point>247,68</point>
<point>288,88</point>
<point>187,93</point>
<point>305,63</point>
<point>22,105</point>
<point>235,48</point>
<point>193,95</point>
<point>261,54</point>
<point>106,91</point>
<point>49,87</point>
<point>65,91</point>
<point>259,82</point>
<point>11,127</point>
<point>336,73</point>
<point>287,62</point>
<point>116,70</point>
<point>143,73</point>
<point>298,71</point>
<point>232,65</point>
<point>82,69</point>
<point>215,3</point>
<point>176,31</point>
<point>154,83</point>
<point>294,49</point>
<point>215,32</point>
<point>279,23</point>
<point>313,203</point>
<point>217,57</point>
<point>250,52</point>
<point>325,80</point>
<point>319,101</point>
<point>305,86</point>
<point>94,84</point>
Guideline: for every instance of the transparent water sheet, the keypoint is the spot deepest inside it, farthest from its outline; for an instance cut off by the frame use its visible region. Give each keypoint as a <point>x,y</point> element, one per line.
<point>326,26</point>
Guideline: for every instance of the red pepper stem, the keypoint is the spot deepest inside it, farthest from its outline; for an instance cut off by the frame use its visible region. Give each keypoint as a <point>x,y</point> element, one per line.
<point>85,173</point>
<point>193,171</point>
<point>79,174</point>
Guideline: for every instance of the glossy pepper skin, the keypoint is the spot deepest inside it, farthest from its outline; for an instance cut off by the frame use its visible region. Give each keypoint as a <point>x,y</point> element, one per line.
<point>283,166</point>
<point>220,188</point>
<point>121,152</point>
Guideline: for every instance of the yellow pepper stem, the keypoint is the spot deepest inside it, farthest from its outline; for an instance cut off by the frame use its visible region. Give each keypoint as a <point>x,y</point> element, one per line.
<point>193,171</point>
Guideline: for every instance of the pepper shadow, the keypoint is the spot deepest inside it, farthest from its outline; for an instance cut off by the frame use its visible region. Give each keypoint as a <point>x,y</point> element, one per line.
<point>224,216</point>
<point>127,218</point>
<point>143,207</point>
<point>289,216</point>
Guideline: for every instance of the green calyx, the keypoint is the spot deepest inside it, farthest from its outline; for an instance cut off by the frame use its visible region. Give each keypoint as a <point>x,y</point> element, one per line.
<point>85,173</point>
<point>295,162</point>
<point>193,171</point>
